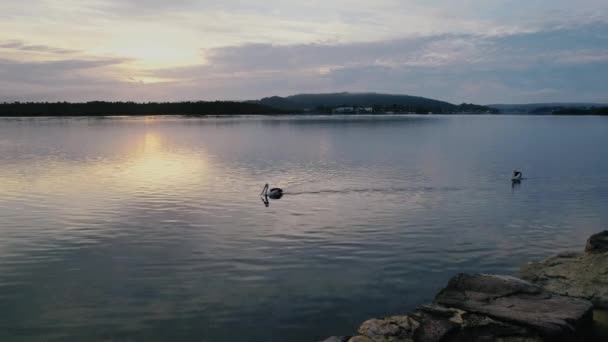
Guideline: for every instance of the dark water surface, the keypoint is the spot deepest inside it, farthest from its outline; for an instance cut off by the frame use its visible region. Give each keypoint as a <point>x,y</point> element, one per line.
<point>151,229</point>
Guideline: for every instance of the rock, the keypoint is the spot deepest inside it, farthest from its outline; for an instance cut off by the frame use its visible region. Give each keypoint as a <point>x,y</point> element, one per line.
<point>429,323</point>
<point>597,243</point>
<point>483,328</point>
<point>337,339</point>
<point>435,323</point>
<point>600,320</point>
<point>392,329</point>
<point>486,308</point>
<point>573,274</point>
<point>360,339</point>
<point>516,304</point>
<point>439,323</point>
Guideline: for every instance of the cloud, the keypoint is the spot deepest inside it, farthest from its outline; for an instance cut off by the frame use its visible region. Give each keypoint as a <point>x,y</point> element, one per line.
<point>475,51</point>
<point>550,65</point>
<point>97,25</point>
<point>584,57</point>
<point>70,79</point>
<point>537,66</point>
<point>52,71</point>
<point>20,45</point>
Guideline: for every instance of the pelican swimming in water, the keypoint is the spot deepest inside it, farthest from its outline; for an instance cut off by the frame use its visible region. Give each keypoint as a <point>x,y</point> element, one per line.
<point>517,176</point>
<point>274,193</point>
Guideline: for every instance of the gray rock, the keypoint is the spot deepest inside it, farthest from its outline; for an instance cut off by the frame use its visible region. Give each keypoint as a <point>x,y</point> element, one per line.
<point>360,339</point>
<point>518,304</point>
<point>573,274</point>
<point>434,323</point>
<point>597,243</point>
<point>429,323</point>
<point>337,339</point>
<point>439,323</point>
<point>391,329</point>
<point>483,328</point>
<point>600,320</point>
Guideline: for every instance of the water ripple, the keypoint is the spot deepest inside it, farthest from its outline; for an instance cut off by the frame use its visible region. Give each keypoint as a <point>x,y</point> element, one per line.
<point>140,229</point>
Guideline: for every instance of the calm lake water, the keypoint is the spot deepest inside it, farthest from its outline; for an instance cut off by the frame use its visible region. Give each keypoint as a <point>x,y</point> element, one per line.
<point>152,229</point>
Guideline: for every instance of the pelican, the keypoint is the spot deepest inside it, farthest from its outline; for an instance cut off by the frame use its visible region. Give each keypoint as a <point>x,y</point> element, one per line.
<point>517,176</point>
<point>274,193</point>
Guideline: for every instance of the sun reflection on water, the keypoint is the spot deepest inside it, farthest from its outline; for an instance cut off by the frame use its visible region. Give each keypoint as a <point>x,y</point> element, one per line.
<point>154,161</point>
<point>143,163</point>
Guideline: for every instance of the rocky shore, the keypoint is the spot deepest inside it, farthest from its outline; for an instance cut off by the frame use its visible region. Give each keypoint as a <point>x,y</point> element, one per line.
<point>581,275</point>
<point>553,301</point>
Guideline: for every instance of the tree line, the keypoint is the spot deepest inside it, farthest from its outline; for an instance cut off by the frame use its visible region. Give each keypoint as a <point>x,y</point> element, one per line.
<point>582,111</point>
<point>102,108</point>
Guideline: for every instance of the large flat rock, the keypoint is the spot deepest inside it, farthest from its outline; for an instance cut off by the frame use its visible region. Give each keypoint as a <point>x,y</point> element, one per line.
<point>582,275</point>
<point>486,308</point>
<point>434,323</point>
<point>515,301</point>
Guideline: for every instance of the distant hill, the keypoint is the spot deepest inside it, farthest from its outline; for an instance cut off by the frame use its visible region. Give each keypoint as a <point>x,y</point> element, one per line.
<point>542,108</point>
<point>309,101</point>
<point>379,102</point>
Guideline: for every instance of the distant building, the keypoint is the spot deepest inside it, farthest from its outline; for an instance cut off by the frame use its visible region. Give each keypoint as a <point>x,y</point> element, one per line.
<point>342,110</point>
<point>353,110</point>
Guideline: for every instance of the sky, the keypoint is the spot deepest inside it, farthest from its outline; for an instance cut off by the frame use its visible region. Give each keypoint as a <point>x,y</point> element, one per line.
<point>480,51</point>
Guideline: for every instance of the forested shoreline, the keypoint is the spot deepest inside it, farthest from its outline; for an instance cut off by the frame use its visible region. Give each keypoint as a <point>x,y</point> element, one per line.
<point>205,108</point>
<point>101,108</point>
